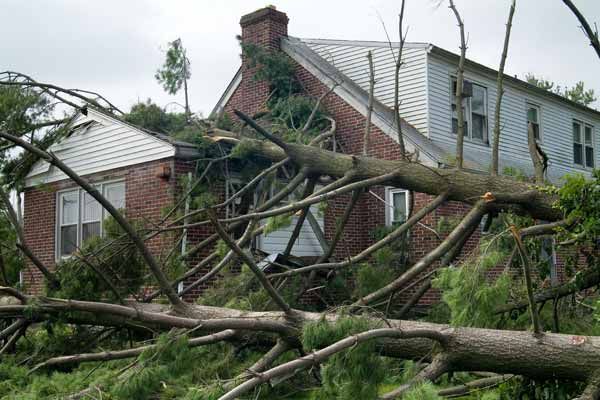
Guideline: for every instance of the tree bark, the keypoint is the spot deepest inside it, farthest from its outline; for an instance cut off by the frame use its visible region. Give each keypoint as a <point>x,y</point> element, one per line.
<point>500,92</point>
<point>463,186</point>
<point>458,96</point>
<point>367,135</point>
<point>538,165</point>
<point>470,349</point>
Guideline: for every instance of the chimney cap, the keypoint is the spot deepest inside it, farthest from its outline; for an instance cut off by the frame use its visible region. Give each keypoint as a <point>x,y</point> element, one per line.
<point>268,12</point>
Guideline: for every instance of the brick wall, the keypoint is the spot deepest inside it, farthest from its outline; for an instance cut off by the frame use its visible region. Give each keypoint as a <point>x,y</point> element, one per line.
<point>369,212</point>
<point>198,233</point>
<point>146,195</point>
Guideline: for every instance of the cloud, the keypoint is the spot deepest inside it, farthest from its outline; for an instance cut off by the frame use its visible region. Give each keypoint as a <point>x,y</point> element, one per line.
<point>114,46</point>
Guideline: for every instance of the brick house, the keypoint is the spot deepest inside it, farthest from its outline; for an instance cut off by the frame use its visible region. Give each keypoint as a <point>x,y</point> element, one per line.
<point>139,170</point>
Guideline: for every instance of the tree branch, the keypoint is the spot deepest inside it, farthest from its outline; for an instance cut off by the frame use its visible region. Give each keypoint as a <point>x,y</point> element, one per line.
<point>129,353</point>
<point>321,355</point>
<point>535,319</point>
<point>138,242</point>
<point>589,32</point>
<point>250,263</point>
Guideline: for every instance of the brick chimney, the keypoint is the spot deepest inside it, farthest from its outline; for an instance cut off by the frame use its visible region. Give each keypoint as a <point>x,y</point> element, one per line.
<point>264,27</point>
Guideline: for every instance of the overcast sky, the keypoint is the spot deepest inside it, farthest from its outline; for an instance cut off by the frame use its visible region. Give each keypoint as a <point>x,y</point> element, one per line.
<point>114,47</point>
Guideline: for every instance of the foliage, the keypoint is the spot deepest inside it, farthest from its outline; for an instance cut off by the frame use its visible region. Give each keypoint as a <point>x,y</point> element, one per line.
<point>579,200</point>
<point>273,67</point>
<point>470,294</point>
<point>422,391</point>
<point>165,372</point>
<point>176,68</point>
<point>352,374</point>
<point>21,111</point>
<point>11,259</point>
<point>394,254</point>
<point>22,108</point>
<point>276,223</point>
<point>370,277</point>
<point>113,255</point>
<point>149,115</point>
<point>577,93</point>
<point>516,173</point>
<point>290,114</point>
<point>240,290</point>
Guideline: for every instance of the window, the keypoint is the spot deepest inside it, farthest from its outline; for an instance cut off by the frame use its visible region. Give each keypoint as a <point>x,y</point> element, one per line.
<point>583,144</point>
<point>397,206</point>
<point>533,117</point>
<point>474,106</point>
<point>80,216</point>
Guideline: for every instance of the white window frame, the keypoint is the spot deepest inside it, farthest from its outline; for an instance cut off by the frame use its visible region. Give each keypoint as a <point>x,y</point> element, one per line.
<point>583,125</point>
<point>468,112</point>
<point>529,105</point>
<point>80,193</point>
<point>389,203</point>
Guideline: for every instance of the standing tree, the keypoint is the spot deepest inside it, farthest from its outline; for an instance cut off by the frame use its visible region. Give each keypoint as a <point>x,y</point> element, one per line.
<point>577,93</point>
<point>500,91</point>
<point>175,72</point>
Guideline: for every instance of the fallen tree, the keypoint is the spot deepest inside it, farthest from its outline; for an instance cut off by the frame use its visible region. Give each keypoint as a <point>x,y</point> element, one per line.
<point>275,323</point>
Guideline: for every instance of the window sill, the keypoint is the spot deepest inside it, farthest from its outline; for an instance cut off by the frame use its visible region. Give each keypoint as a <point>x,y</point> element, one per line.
<point>474,141</point>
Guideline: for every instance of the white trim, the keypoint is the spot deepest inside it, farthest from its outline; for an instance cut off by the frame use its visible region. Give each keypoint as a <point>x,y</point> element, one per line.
<point>583,124</point>
<point>530,104</point>
<point>229,91</point>
<point>468,116</point>
<point>366,43</point>
<point>389,203</point>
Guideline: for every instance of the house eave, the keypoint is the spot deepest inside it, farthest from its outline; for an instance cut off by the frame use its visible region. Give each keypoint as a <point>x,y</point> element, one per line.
<point>453,57</point>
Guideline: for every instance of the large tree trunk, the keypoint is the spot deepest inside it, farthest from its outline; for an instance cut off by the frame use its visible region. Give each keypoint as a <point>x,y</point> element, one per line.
<point>464,186</point>
<point>468,349</point>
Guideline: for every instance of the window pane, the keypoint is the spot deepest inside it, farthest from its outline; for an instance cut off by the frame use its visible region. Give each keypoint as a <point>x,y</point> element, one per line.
<point>115,194</point>
<point>91,208</point>
<point>577,153</point>
<point>536,131</point>
<point>479,127</point>
<point>589,156</point>
<point>69,207</point>
<point>588,135</point>
<point>478,100</point>
<point>399,204</point>
<point>532,115</point>
<point>576,132</point>
<point>68,240</point>
<point>90,230</point>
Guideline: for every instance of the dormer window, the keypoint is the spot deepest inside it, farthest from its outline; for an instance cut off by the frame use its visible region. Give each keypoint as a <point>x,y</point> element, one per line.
<point>474,106</point>
<point>583,144</point>
<point>533,118</point>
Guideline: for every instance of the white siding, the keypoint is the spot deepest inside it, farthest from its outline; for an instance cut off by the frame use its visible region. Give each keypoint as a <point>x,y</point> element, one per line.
<point>350,58</point>
<point>307,243</point>
<point>105,144</point>
<point>556,120</point>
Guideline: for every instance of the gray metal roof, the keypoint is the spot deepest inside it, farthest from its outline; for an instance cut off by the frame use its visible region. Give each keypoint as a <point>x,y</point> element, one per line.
<point>343,62</point>
<point>349,58</point>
